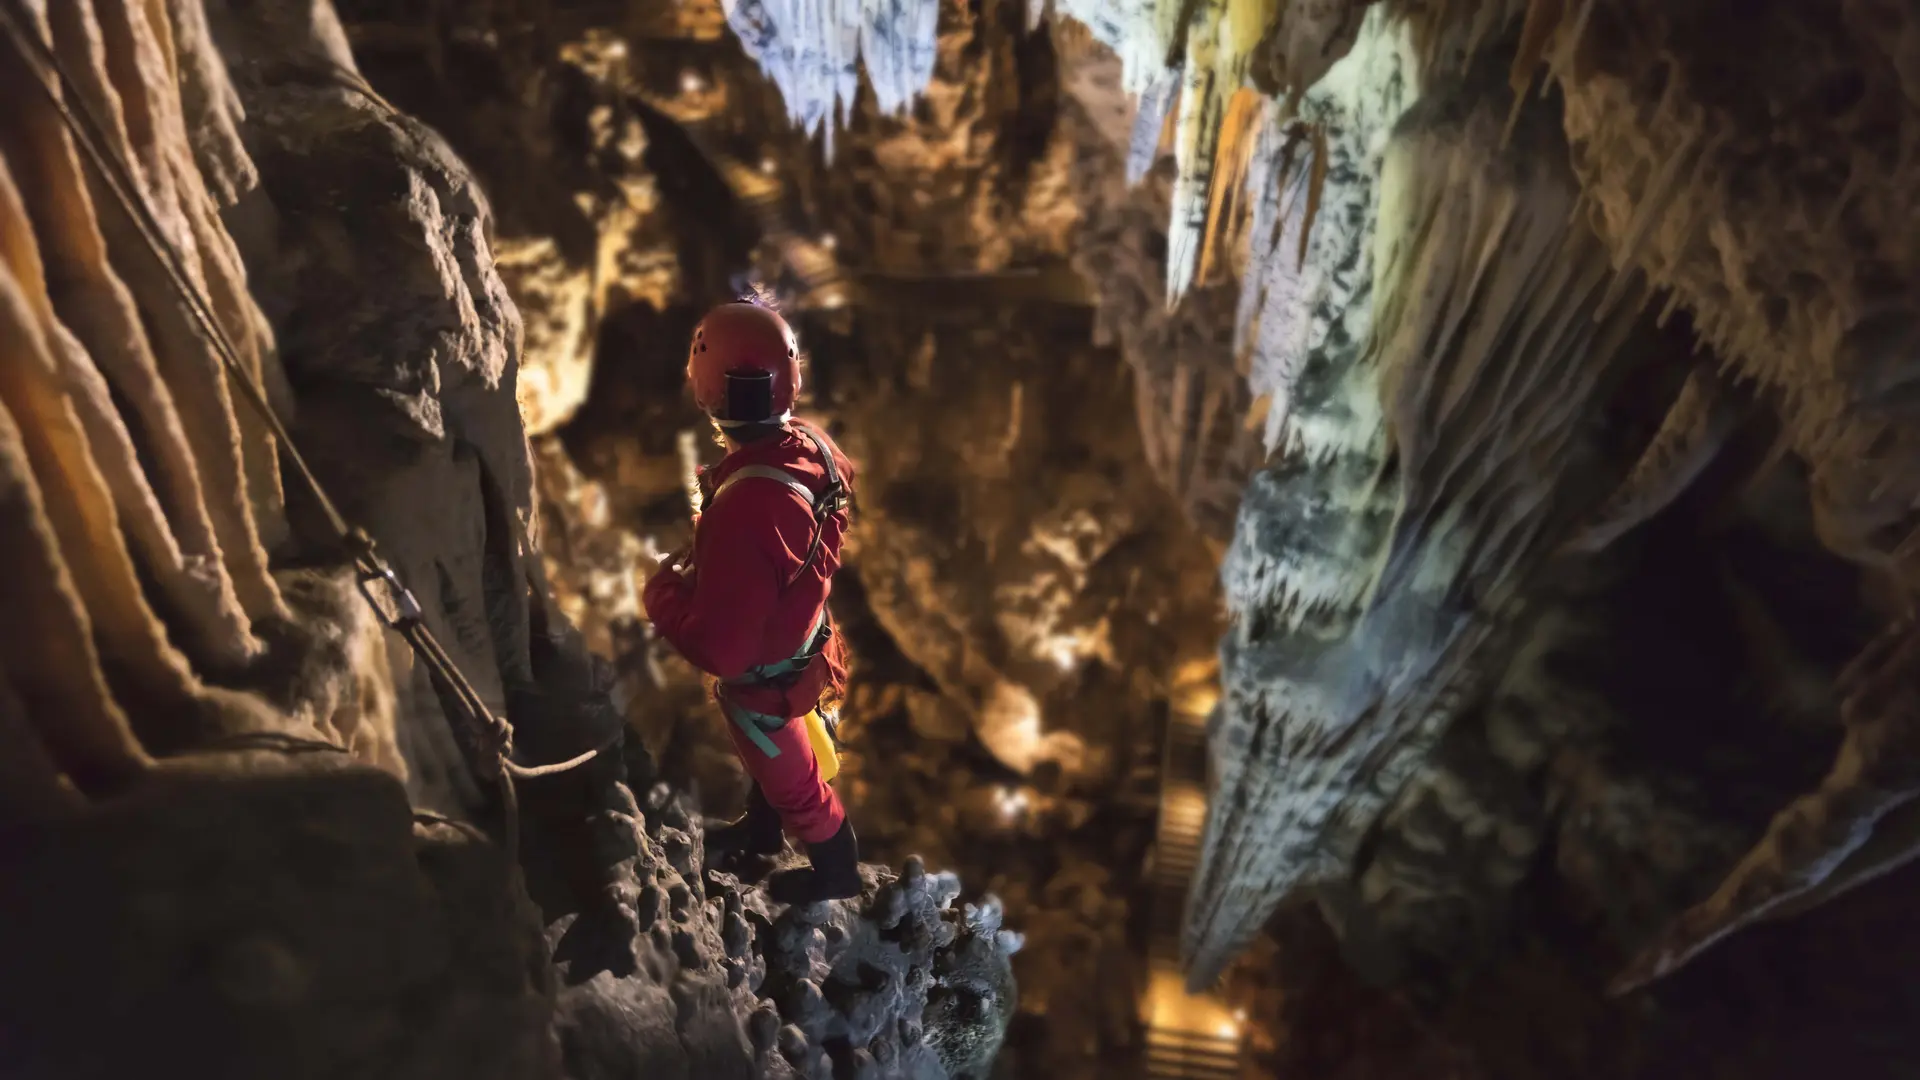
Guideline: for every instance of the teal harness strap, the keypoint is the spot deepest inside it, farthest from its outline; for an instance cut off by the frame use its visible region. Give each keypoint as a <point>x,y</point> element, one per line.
<point>755,724</point>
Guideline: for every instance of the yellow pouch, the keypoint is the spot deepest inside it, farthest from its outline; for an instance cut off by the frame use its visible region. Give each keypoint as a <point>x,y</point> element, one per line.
<point>823,749</point>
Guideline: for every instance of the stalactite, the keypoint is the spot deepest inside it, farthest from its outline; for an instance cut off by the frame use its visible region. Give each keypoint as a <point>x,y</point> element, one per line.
<point>1489,340</point>
<point>1150,123</point>
<point>1196,137</point>
<point>1316,187</point>
<point>1143,32</point>
<point>1696,427</point>
<point>813,51</point>
<point>1226,206</point>
<point>130,631</point>
<point>211,110</point>
<point>31,783</point>
<point>1543,20</point>
<point>139,68</point>
<point>1292,310</point>
<point>134,63</point>
<point>117,457</point>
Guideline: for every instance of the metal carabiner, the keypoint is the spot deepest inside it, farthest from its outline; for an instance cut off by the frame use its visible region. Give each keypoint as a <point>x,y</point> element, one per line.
<point>403,601</point>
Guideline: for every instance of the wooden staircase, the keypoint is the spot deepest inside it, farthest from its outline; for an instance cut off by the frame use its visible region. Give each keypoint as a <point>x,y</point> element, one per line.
<point>1189,1036</point>
<point>1178,1055</point>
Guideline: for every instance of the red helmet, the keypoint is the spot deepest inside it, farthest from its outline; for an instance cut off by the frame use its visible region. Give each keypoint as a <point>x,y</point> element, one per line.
<point>743,339</point>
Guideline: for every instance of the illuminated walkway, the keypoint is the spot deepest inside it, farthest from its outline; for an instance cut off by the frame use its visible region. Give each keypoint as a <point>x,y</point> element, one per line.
<point>1189,1036</point>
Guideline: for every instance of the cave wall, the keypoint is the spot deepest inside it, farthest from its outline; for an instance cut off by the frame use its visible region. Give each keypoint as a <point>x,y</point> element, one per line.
<point>1705,416</point>
<point>209,747</point>
<point>1516,678</point>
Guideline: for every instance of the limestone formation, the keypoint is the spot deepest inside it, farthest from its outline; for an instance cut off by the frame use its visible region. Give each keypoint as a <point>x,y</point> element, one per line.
<point>1538,372</point>
<point>1341,259</point>
<point>816,54</point>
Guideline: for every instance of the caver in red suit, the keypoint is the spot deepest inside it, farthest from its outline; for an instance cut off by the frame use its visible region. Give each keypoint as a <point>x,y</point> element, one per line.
<point>749,605</point>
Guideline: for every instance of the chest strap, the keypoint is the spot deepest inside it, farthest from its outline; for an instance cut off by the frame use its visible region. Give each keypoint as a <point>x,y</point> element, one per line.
<point>767,472</point>
<point>829,502</point>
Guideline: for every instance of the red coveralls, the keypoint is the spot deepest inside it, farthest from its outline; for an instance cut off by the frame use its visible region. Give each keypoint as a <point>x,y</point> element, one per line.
<point>732,613</point>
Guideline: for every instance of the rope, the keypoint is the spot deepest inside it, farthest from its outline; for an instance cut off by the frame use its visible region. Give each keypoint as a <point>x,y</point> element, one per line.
<point>495,734</point>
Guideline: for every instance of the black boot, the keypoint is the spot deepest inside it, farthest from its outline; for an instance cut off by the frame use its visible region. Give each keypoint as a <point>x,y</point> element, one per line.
<point>756,832</point>
<point>834,875</point>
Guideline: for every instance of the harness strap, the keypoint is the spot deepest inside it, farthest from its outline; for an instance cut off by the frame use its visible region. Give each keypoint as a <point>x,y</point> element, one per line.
<point>826,459</point>
<point>830,501</point>
<point>768,472</point>
<point>755,725</point>
<point>810,647</point>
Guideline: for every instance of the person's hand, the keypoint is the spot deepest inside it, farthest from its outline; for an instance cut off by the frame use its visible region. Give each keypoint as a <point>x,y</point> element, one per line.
<point>675,560</point>
<point>679,560</point>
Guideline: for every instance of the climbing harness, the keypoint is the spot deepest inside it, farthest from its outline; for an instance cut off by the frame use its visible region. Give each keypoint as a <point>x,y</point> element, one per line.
<point>822,729</point>
<point>493,735</point>
<point>822,734</point>
<point>822,726</point>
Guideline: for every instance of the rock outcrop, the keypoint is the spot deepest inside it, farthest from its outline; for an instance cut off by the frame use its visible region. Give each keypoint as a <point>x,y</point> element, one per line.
<point>694,973</point>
